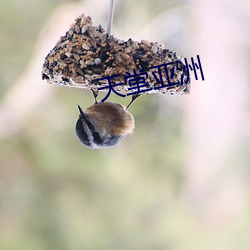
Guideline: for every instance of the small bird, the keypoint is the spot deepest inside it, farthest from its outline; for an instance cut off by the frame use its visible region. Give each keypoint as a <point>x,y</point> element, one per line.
<point>104,124</point>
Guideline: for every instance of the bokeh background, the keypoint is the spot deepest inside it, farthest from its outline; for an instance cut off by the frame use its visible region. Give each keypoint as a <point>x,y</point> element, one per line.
<point>180,182</point>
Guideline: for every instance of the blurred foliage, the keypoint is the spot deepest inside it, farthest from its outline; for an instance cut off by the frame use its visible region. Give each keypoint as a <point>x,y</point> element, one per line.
<point>20,23</point>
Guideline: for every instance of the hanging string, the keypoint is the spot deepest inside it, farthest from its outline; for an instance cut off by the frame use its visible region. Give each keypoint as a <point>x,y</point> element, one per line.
<point>110,15</point>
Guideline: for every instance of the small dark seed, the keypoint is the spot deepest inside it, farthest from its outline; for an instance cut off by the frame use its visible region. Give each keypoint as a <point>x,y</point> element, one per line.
<point>45,77</point>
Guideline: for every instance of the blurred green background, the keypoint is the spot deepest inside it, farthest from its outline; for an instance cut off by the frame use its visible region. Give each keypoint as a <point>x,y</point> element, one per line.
<point>181,181</point>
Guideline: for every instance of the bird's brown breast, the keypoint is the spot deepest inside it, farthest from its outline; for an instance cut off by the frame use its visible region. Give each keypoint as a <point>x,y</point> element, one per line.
<point>111,117</point>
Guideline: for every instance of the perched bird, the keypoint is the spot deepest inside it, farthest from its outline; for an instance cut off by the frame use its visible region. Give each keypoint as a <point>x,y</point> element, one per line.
<point>104,124</point>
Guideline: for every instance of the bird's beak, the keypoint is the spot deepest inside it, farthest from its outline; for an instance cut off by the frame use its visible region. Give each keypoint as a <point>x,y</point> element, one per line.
<point>82,115</point>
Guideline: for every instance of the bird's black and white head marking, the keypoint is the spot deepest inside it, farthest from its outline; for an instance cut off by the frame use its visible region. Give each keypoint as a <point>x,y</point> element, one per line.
<point>91,138</point>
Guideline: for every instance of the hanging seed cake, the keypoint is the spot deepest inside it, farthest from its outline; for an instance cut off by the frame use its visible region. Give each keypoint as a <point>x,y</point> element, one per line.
<point>87,53</point>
